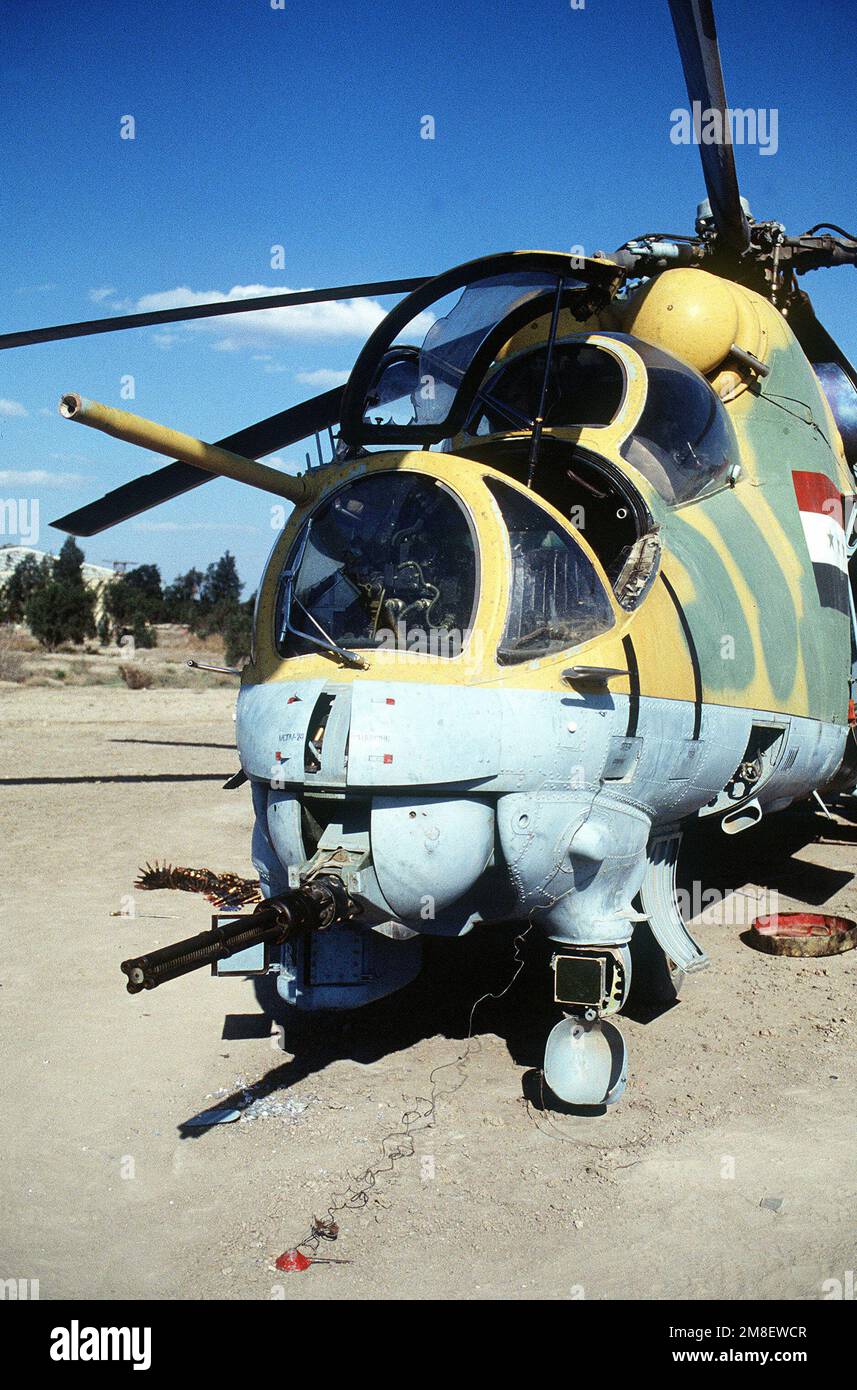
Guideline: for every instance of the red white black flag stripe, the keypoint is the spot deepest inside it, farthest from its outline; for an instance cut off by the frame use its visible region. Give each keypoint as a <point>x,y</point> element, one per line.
<point>820,505</point>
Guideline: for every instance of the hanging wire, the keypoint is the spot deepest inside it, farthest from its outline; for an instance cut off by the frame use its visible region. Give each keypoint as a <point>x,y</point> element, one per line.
<point>399,1143</point>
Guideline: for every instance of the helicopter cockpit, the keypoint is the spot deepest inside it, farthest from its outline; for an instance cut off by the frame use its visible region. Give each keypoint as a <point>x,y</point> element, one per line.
<point>510,371</point>
<point>389,560</point>
<point>399,393</point>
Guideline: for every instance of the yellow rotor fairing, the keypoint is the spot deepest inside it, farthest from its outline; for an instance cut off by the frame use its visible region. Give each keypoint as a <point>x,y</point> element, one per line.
<point>699,317</point>
<point>687,312</point>
<point>753,335</point>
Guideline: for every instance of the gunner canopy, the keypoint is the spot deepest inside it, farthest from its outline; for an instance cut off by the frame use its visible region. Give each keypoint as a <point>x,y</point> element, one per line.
<point>388,561</point>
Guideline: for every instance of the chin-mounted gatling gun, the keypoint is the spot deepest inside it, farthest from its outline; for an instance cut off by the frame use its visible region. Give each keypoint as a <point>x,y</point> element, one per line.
<point>312,907</point>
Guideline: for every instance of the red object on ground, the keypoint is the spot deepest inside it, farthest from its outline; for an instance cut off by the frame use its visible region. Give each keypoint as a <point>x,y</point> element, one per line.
<point>805,933</point>
<point>293,1262</point>
<point>800,924</point>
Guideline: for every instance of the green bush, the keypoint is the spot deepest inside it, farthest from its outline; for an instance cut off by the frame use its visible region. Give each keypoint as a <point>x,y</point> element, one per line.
<point>134,601</point>
<point>27,576</point>
<point>60,611</point>
<point>237,634</point>
<point>60,607</point>
<point>143,634</point>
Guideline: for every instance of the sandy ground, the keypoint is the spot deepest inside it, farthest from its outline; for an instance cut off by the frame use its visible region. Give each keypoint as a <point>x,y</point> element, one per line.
<point>743,1092</point>
<point>24,661</point>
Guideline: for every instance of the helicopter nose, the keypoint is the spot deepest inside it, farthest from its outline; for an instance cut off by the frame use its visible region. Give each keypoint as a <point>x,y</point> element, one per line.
<point>436,799</point>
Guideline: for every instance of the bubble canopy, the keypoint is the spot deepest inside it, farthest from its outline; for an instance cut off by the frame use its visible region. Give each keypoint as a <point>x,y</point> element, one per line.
<point>419,375</point>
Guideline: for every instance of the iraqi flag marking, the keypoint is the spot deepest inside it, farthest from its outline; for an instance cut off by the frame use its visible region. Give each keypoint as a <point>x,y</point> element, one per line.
<point>820,505</point>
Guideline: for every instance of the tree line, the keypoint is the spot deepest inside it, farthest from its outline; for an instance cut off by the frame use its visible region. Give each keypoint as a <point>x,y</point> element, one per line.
<point>50,595</point>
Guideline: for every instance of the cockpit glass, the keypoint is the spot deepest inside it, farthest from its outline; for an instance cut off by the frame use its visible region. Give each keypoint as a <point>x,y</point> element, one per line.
<point>556,598</point>
<point>585,387</point>
<point>388,561</point>
<point>684,441</point>
<point>418,380</point>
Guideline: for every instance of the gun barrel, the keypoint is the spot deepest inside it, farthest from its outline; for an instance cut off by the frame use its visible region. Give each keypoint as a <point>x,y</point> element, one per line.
<point>315,906</point>
<point>195,952</point>
<point>121,424</point>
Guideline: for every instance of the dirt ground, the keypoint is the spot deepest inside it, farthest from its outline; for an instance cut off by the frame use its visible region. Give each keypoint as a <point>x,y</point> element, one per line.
<point>728,1170</point>
<point>23,661</point>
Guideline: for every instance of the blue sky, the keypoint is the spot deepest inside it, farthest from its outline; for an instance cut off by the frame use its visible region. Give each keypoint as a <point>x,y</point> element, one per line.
<point>300,127</point>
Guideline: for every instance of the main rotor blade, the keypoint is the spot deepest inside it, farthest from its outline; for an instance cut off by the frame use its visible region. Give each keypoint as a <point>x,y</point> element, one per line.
<point>696,34</point>
<point>277,432</point>
<point>814,338</point>
<point>207,311</point>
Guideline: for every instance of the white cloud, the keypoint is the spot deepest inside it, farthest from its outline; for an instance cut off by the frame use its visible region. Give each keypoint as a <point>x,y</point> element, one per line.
<point>63,456</point>
<point>347,318</point>
<point>269,364</point>
<point>12,408</point>
<point>99,296</point>
<point>323,378</point>
<point>37,477</point>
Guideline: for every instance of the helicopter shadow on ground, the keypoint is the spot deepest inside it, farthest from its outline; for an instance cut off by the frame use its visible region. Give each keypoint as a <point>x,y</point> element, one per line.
<point>457,972</point>
<point>765,857</point>
<point>175,743</point>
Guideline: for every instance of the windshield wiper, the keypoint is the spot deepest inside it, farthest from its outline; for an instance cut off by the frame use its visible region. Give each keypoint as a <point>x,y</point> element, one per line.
<point>328,644</point>
<point>515,417</point>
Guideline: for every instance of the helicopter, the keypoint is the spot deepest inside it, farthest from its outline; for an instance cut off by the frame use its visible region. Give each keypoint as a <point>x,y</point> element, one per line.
<point>579,574</point>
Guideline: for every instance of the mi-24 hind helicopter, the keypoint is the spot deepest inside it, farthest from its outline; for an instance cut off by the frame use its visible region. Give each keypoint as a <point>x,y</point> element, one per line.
<point>576,576</point>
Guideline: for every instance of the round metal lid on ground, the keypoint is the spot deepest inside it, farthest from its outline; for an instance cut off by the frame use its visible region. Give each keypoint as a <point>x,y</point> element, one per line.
<point>803,934</point>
